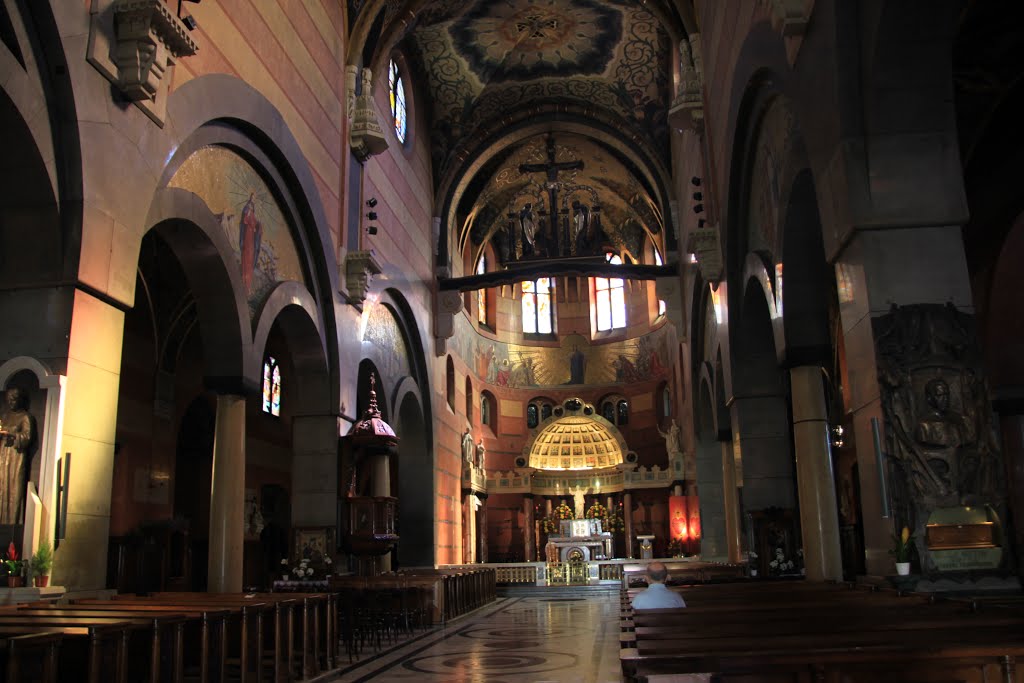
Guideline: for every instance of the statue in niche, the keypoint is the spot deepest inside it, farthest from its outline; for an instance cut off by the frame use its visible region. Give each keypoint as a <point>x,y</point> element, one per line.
<point>580,227</point>
<point>17,439</point>
<point>941,432</point>
<point>577,366</point>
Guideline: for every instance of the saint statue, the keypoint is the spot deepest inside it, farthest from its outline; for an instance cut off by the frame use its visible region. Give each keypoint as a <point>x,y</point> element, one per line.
<point>528,225</point>
<point>480,452</point>
<point>17,438</point>
<point>578,502</point>
<point>672,444</point>
<point>468,449</point>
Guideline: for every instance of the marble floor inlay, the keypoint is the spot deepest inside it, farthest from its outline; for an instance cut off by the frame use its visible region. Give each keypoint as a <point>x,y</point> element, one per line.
<point>544,637</point>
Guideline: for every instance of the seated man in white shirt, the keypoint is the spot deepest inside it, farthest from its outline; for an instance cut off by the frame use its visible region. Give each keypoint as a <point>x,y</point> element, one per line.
<point>657,595</point>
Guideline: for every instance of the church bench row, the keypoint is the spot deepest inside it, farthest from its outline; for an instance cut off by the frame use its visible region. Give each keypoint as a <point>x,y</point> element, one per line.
<point>690,572</point>
<point>879,636</point>
<point>29,656</point>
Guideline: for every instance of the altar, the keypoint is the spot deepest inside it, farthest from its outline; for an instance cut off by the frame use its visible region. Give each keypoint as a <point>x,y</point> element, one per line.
<point>579,540</point>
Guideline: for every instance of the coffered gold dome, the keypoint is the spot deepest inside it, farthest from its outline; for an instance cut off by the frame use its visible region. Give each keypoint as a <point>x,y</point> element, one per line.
<point>576,438</point>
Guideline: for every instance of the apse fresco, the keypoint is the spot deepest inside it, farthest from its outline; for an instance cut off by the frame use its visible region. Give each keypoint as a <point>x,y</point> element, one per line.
<point>574,361</point>
<point>249,215</point>
<point>389,350</point>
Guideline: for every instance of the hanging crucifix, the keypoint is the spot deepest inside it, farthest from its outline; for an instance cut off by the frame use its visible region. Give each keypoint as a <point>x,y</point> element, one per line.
<point>552,168</point>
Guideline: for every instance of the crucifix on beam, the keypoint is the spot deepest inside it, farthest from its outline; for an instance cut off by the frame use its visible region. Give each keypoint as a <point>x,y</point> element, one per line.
<point>552,168</point>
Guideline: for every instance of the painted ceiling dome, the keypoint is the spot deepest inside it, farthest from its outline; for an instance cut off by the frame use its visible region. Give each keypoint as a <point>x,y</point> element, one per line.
<point>575,437</point>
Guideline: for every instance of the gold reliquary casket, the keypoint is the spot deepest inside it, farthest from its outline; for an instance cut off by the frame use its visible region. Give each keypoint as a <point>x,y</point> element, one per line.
<point>964,538</point>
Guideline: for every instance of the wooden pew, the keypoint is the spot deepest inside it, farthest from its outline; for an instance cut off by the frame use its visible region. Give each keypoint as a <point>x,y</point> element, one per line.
<point>171,625</point>
<point>833,633</point>
<point>84,646</point>
<point>242,611</point>
<point>212,627</point>
<point>18,647</point>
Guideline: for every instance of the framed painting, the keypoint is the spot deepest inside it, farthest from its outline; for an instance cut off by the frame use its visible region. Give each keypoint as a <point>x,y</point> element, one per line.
<point>312,543</point>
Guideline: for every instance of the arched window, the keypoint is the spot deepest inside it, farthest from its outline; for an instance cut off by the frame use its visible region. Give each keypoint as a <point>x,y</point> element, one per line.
<point>661,302</point>
<point>450,384</point>
<point>538,306</point>
<point>396,88</point>
<point>271,387</point>
<point>488,410</point>
<point>481,294</point>
<point>615,409</point>
<point>610,299</point>
<point>469,400</point>
<point>537,411</point>
<point>666,401</point>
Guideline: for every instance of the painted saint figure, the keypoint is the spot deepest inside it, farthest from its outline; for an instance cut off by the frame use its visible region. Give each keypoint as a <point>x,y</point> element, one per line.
<point>250,235</point>
<point>528,224</point>
<point>17,438</point>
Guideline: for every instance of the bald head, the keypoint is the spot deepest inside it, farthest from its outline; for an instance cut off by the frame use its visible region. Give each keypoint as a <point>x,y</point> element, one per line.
<point>657,572</point>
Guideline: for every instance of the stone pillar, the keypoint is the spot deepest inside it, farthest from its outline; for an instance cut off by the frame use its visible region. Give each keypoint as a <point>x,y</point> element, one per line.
<point>731,503</point>
<point>876,269</point>
<point>547,507</point>
<point>529,529</point>
<point>380,465</point>
<point>469,529</point>
<point>627,515</point>
<point>227,496</point>
<point>677,489</point>
<point>819,519</point>
<point>1011,425</point>
<point>481,527</point>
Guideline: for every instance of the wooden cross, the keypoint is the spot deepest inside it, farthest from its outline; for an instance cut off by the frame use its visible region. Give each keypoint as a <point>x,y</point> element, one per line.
<point>552,168</point>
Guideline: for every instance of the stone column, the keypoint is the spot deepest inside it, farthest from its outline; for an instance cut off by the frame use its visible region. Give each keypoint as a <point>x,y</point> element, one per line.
<point>547,507</point>
<point>380,465</point>
<point>227,496</point>
<point>819,519</point>
<point>677,489</point>
<point>469,529</point>
<point>731,503</point>
<point>529,529</point>
<point>1011,425</point>
<point>627,515</point>
<point>481,527</point>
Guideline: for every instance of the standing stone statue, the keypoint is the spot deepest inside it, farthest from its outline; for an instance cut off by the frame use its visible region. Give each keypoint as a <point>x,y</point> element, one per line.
<point>672,443</point>
<point>480,453</point>
<point>578,502</point>
<point>17,437</point>
<point>468,449</point>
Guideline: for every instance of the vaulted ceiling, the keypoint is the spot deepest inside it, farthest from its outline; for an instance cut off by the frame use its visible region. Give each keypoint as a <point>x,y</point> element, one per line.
<point>505,80</point>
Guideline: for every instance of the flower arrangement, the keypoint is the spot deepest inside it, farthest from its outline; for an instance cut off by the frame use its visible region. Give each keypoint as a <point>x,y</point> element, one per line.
<point>11,562</point>
<point>549,525</point>
<point>676,547</point>
<point>902,545</point>
<point>306,571</point>
<point>781,565</point>
<point>610,521</point>
<point>597,511</point>
<point>563,511</point>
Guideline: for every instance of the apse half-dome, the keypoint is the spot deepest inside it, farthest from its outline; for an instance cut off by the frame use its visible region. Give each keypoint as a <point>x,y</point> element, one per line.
<point>575,437</point>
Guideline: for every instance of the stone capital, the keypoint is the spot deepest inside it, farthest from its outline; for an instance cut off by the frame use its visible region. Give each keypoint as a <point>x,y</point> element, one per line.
<point>360,267</point>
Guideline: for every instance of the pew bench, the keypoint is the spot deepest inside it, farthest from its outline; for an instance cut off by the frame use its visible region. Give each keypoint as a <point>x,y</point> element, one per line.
<point>31,654</point>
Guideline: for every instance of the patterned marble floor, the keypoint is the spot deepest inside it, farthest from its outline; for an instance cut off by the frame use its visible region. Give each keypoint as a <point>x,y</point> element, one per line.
<point>561,636</point>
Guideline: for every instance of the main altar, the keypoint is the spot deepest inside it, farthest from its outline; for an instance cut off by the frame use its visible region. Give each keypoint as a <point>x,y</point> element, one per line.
<point>579,540</point>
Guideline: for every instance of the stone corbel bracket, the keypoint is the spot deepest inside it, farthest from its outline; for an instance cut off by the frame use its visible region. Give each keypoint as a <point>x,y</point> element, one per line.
<point>790,18</point>
<point>360,267</point>
<point>135,45</point>
<point>365,135</point>
<point>447,304</point>
<point>687,110</point>
<point>705,244</point>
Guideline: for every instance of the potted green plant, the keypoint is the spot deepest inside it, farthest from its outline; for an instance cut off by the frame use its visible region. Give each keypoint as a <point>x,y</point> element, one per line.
<point>13,566</point>
<point>41,564</point>
<point>902,545</point>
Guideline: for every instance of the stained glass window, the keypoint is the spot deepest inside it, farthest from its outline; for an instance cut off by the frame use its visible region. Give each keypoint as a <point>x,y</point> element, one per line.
<point>661,302</point>
<point>271,387</point>
<point>397,90</point>
<point>538,306</point>
<point>610,300</point>
<point>622,408</point>
<point>532,416</point>
<point>481,294</point>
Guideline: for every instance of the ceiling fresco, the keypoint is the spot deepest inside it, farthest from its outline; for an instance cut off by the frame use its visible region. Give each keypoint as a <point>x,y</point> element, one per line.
<point>484,59</point>
<point>601,203</point>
